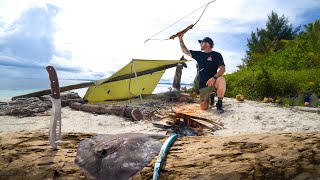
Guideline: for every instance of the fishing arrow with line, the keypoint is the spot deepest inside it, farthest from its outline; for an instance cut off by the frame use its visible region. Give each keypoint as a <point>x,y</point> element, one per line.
<point>186,29</point>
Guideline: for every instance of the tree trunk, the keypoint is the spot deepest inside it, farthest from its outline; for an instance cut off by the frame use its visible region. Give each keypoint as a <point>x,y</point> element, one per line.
<point>261,156</point>
<point>125,111</point>
<point>177,76</point>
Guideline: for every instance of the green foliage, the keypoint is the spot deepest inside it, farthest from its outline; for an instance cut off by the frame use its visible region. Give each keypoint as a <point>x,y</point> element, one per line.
<point>256,84</point>
<point>269,39</point>
<point>279,63</point>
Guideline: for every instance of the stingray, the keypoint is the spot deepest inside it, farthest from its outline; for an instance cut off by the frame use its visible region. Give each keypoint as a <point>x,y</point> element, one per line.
<point>117,156</point>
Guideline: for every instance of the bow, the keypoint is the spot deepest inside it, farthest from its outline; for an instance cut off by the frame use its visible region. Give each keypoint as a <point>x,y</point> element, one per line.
<point>186,29</point>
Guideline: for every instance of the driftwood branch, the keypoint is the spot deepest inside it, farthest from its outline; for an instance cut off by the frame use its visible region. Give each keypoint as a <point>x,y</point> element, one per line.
<point>186,125</point>
<point>48,91</point>
<point>125,111</point>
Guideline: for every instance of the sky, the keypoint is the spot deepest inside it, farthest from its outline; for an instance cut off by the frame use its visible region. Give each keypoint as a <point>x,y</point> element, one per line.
<point>93,39</point>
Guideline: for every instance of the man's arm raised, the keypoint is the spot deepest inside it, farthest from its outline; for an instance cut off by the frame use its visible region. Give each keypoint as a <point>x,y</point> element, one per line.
<point>184,49</point>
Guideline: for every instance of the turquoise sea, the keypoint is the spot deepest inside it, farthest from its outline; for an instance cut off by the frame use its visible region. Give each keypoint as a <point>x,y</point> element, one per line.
<point>10,87</point>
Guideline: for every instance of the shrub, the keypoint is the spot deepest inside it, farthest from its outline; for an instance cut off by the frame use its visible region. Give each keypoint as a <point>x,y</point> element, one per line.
<point>256,84</point>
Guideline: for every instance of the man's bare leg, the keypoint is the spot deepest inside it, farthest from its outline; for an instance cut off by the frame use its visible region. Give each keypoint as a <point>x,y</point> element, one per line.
<point>220,85</point>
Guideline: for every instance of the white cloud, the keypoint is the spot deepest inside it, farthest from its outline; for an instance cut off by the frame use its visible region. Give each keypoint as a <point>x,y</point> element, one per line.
<point>102,36</point>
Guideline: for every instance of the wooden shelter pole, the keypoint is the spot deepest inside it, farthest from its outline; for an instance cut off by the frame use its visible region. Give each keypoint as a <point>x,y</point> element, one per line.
<point>135,73</point>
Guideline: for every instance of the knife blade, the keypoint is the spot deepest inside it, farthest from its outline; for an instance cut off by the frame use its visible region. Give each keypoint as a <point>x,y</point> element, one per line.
<point>55,122</point>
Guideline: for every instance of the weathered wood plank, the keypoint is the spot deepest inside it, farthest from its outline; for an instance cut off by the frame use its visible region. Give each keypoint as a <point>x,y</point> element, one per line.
<point>261,156</point>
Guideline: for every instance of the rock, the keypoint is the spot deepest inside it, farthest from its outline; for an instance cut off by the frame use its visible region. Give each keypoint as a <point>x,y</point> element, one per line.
<point>45,98</point>
<point>15,103</point>
<point>21,99</point>
<point>257,117</point>
<point>3,104</point>
<point>67,102</point>
<point>21,112</point>
<point>39,110</point>
<point>24,107</point>
<point>70,95</point>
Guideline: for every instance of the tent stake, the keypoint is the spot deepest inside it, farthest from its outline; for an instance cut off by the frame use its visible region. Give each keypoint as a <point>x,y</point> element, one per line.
<point>135,73</point>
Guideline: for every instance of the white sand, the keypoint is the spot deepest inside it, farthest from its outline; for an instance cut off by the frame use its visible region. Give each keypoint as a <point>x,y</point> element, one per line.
<point>77,121</point>
<point>239,118</point>
<point>254,117</point>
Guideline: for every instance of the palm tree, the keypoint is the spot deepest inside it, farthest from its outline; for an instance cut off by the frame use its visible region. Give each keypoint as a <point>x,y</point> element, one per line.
<point>313,32</point>
<point>270,39</point>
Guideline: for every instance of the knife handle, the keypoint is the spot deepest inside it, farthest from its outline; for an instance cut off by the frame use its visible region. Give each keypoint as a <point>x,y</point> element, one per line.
<point>55,89</point>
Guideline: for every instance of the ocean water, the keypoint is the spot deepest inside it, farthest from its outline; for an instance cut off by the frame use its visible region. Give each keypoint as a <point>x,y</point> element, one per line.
<point>10,87</point>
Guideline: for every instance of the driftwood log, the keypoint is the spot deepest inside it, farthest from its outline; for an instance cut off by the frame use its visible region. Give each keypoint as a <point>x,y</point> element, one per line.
<point>25,155</point>
<point>261,156</point>
<point>48,91</point>
<point>308,109</point>
<point>125,111</point>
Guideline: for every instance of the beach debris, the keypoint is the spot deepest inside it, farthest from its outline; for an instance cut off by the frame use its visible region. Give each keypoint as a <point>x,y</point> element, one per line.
<point>34,106</point>
<point>119,110</point>
<point>266,100</point>
<point>240,97</point>
<point>117,156</point>
<point>177,96</point>
<point>186,125</point>
<point>278,100</point>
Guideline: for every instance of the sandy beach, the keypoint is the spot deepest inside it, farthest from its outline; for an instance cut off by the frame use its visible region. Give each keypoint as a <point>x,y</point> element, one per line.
<point>240,118</point>
<point>26,151</point>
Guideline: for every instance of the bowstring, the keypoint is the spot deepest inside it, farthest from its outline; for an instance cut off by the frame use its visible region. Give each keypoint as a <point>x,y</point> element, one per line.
<point>206,5</point>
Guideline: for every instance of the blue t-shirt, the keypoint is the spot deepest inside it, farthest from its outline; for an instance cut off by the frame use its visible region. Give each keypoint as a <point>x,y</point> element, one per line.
<point>208,64</point>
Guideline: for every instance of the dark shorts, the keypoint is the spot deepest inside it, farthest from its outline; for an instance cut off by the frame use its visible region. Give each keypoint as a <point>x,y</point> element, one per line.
<point>205,93</point>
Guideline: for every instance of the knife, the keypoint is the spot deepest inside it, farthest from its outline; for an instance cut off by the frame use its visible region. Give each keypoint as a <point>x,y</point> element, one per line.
<point>55,122</point>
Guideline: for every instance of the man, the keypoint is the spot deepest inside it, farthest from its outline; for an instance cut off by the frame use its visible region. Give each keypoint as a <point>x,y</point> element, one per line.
<point>210,79</point>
